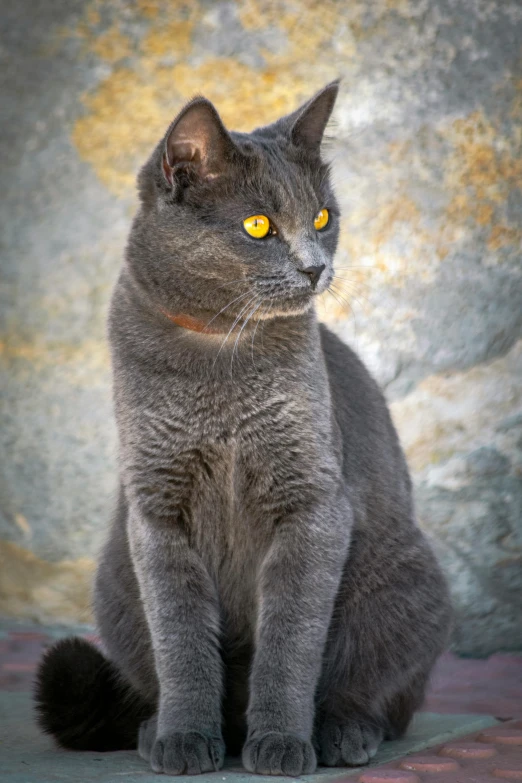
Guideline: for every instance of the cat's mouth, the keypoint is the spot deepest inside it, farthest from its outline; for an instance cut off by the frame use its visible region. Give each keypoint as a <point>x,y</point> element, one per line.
<point>286,305</point>
<point>295,300</point>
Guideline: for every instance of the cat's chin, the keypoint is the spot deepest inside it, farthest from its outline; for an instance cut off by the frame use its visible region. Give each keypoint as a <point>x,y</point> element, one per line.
<point>285,310</point>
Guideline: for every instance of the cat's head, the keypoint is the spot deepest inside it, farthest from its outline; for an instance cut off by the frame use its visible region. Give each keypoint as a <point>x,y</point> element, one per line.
<point>237,224</point>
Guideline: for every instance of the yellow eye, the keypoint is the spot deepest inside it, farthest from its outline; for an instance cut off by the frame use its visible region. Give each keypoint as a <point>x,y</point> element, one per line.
<point>257,226</point>
<point>321,219</point>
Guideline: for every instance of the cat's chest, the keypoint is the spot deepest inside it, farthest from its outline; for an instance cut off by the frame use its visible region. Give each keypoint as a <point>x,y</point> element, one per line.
<point>227,530</point>
<point>229,462</point>
<point>245,443</point>
<point>247,456</point>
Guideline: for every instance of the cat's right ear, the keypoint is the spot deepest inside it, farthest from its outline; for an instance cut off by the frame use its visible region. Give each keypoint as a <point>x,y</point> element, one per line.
<point>196,141</point>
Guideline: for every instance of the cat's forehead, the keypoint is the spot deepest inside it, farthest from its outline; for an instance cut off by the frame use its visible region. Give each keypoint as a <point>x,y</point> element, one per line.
<point>280,176</point>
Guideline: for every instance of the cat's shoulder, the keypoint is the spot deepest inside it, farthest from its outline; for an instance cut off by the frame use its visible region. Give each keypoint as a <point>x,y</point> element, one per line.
<point>350,380</point>
<point>360,405</point>
<point>341,358</point>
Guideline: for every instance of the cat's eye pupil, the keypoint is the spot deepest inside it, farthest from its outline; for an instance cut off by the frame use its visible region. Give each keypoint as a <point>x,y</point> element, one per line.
<point>257,226</point>
<point>321,219</point>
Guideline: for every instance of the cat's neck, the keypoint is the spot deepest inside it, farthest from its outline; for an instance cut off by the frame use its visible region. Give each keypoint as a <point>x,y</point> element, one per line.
<point>131,294</point>
<point>200,341</point>
<point>199,325</point>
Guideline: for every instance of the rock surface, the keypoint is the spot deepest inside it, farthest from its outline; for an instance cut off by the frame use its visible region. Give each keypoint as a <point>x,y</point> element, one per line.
<point>428,163</point>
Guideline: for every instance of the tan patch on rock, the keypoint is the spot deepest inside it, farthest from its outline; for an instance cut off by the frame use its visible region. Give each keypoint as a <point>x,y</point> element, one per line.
<point>112,45</point>
<point>24,525</point>
<point>484,166</point>
<point>172,36</point>
<point>89,359</point>
<point>389,233</point>
<point>129,111</point>
<point>369,233</point>
<point>31,588</point>
<point>504,236</point>
<point>448,415</point>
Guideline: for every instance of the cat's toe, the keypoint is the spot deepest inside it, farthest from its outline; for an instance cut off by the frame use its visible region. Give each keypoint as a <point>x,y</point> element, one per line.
<point>348,743</point>
<point>187,753</point>
<point>147,737</point>
<point>275,753</point>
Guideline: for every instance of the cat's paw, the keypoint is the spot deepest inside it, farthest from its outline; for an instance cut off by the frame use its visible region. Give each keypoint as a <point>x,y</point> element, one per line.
<point>349,743</point>
<point>275,753</point>
<point>147,737</point>
<point>186,753</point>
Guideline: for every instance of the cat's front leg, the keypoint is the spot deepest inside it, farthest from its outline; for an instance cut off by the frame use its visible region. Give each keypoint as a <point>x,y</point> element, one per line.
<point>298,583</point>
<point>182,613</point>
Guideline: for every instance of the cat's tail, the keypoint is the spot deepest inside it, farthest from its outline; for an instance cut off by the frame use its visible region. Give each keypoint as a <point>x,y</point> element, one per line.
<point>83,702</point>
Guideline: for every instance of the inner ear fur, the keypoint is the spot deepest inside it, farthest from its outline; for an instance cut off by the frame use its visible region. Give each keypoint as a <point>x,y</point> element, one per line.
<point>197,139</point>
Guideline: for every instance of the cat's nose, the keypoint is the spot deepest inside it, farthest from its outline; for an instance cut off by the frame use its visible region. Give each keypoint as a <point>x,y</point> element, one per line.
<point>314,273</point>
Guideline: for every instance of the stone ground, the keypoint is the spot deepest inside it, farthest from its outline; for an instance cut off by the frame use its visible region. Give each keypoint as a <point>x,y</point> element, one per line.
<point>471,724</point>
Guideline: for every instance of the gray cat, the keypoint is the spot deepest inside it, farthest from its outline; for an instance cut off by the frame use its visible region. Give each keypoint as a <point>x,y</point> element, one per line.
<point>264,585</point>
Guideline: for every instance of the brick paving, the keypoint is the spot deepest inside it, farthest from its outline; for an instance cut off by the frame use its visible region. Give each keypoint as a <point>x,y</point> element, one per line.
<point>459,686</point>
<point>488,756</point>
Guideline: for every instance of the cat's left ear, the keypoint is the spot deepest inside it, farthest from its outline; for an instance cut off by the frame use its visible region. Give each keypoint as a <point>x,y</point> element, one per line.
<point>197,139</point>
<point>308,123</point>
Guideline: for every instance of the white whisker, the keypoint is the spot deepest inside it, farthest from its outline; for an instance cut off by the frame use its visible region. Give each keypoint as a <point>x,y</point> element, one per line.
<point>255,330</point>
<point>247,319</point>
<point>242,296</point>
<point>238,318</point>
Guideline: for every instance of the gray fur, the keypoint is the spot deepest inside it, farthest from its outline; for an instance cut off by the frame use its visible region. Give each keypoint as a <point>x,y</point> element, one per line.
<point>265,580</point>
